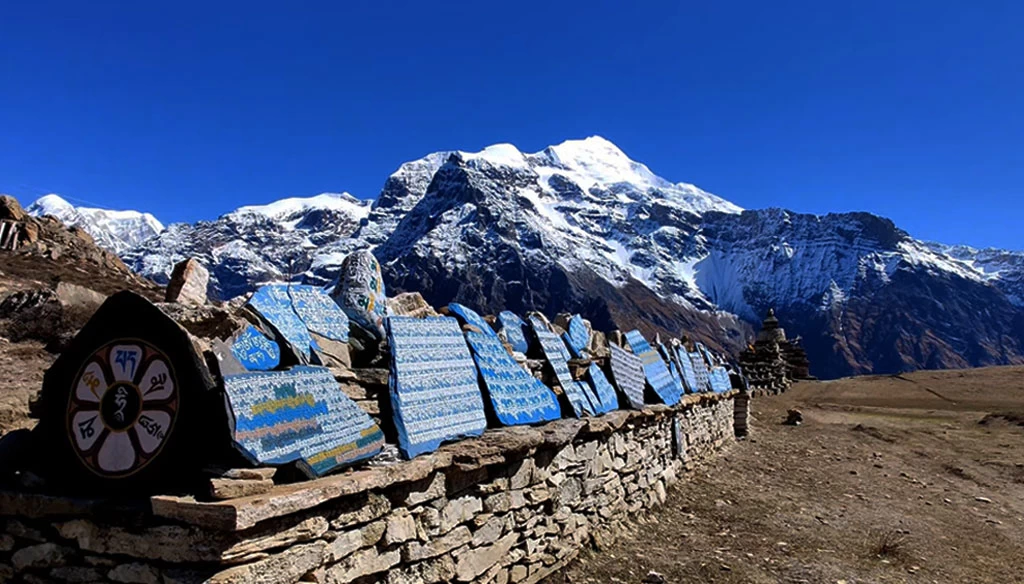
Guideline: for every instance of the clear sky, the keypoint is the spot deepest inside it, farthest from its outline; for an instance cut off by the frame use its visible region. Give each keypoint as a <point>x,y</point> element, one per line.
<point>912,110</point>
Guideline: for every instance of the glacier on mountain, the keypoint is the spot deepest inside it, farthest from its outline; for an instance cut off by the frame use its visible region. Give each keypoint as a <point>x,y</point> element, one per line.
<point>117,231</point>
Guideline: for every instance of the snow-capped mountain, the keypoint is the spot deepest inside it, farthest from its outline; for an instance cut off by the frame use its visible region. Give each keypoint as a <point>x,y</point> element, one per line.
<point>1002,268</point>
<point>581,227</point>
<point>117,231</point>
<point>278,241</point>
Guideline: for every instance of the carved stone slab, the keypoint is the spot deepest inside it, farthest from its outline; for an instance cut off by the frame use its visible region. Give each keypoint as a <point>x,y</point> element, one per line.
<point>657,372</point>
<point>607,400</point>
<point>128,403</point>
<point>299,415</point>
<point>700,370</point>
<point>516,396</point>
<point>469,316</point>
<point>628,373</point>
<point>274,304</point>
<point>579,395</point>
<point>255,351</point>
<point>319,312</point>
<point>687,373</point>
<point>512,328</point>
<point>434,390</point>
<point>577,337</point>
<point>719,379</point>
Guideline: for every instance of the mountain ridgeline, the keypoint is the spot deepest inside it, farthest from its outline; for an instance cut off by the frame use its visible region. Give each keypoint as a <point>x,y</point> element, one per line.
<point>580,227</point>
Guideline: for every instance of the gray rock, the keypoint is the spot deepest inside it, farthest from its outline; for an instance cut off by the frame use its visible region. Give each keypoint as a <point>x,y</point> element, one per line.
<point>43,555</point>
<point>135,573</point>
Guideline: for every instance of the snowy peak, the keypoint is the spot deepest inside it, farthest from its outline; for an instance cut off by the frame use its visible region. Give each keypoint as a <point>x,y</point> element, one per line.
<point>290,208</point>
<point>118,231</point>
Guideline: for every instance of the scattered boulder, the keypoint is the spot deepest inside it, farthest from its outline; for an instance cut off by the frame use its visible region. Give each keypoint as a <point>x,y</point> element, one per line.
<point>794,418</point>
<point>48,315</point>
<point>188,284</point>
<point>208,322</point>
<point>410,304</point>
<point>653,577</point>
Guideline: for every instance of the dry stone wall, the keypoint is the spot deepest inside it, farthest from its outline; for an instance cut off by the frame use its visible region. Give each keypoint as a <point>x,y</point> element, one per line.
<point>511,506</point>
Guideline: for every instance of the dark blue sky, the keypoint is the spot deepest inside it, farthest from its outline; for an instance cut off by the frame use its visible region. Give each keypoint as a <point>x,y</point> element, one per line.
<point>911,110</point>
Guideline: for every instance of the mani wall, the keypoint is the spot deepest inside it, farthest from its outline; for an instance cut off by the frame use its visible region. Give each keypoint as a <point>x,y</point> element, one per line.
<point>513,505</point>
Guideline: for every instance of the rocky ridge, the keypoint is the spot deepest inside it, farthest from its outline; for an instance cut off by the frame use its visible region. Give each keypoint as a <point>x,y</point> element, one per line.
<point>581,227</point>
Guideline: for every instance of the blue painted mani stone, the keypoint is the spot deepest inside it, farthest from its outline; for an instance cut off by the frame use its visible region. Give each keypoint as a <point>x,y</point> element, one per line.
<point>299,415</point>
<point>719,379</point>
<point>658,375</point>
<point>688,374</point>
<point>700,369</point>
<point>577,337</point>
<point>512,328</point>
<point>628,373</point>
<point>579,395</point>
<point>602,389</point>
<point>515,396</point>
<point>469,316</point>
<point>319,312</point>
<point>434,391</point>
<point>255,351</point>
<point>274,304</point>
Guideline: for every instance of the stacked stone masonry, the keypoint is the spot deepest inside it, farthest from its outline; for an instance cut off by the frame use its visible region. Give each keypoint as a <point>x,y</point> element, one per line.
<point>511,506</point>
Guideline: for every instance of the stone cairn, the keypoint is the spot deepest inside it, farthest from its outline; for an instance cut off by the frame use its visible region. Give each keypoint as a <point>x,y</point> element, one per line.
<point>773,362</point>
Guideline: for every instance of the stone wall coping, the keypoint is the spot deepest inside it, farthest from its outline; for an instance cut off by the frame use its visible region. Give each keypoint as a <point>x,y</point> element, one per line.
<point>495,446</point>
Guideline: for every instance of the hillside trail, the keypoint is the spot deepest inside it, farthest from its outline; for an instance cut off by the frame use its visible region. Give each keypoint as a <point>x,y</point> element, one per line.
<point>883,482</point>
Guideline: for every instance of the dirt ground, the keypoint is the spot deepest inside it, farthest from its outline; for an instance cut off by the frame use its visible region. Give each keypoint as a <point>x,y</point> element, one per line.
<point>889,479</point>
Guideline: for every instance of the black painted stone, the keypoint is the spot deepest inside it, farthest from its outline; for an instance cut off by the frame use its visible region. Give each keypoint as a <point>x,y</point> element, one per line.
<point>130,405</point>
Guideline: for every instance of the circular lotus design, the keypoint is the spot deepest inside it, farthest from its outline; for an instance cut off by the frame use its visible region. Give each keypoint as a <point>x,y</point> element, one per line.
<point>122,407</point>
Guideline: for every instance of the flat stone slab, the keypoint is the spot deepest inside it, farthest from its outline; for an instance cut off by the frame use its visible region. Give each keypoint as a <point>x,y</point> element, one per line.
<point>319,312</point>
<point>254,351</point>
<point>579,395</point>
<point>628,373</point>
<point>658,375</point>
<point>602,389</point>
<point>718,377</point>
<point>299,415</point>
<point>512,328</point>
<point>434,390</point>
<point>700,370</point>
<point>515,396</point>
<point>577,337</point>
<point>687,371</point>
<point>273,302</point>
<point>469,316</point>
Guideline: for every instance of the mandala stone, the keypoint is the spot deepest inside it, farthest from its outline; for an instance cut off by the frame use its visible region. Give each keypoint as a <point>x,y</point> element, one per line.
<point>512,329</point>
<point>254,351</point>
<point>657,372</point>
<point>577,337</point>
<point>130,405</point>
<point>273,302</point>
<point>299,416</point>
<point>628,373</point>
<point>515,396</point>
<point>579,396</point>
<point>434,392</point>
